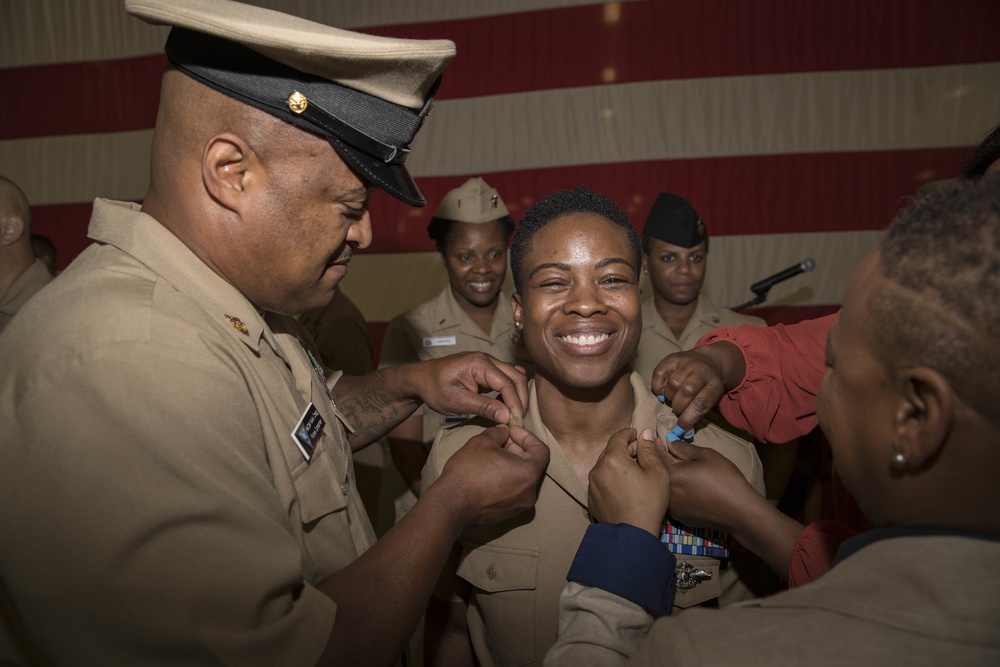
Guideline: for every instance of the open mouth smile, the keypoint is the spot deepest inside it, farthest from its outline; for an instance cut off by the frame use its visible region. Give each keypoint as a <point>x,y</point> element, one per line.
<point>585,339</point>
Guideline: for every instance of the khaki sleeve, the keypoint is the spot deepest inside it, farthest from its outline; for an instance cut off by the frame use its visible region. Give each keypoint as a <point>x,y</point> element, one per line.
<point>596,628</point>
<point>397,346</point>
<point>741,452</point>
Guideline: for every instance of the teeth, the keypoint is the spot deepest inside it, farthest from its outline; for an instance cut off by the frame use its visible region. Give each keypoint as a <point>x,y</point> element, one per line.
<point>586,340</point>
<point>482,285</point>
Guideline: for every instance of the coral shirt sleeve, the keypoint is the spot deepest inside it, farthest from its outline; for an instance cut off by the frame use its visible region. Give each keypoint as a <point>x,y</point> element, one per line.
<point>776,401</point>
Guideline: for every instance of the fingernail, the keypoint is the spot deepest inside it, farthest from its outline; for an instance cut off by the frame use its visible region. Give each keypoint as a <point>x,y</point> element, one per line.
<point>676,434</point>
<point>648,435</point>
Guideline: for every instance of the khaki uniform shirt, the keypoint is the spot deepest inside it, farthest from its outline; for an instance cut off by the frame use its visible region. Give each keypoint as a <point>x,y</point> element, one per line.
<point>341,335</point>
<point>898,601</point>
<point>439,327</point>
<point>658,340</point>
<point>153,489</point>
<point>517,568</point>
<point>35,278</point>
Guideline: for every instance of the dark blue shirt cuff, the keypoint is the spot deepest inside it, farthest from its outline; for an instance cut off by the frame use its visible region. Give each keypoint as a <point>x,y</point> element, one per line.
<point>628,562</point>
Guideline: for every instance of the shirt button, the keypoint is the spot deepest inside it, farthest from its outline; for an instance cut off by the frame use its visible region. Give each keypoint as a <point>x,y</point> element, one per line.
<point>343,488</point>
<point>491,572</point>
<point>586,515</point>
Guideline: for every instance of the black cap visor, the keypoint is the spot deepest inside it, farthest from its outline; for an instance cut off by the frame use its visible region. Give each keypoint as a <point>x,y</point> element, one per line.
<point>371,134</point>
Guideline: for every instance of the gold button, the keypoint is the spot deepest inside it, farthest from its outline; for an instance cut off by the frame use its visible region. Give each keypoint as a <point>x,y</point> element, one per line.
<point>297,102</point>
<point>491,572</point>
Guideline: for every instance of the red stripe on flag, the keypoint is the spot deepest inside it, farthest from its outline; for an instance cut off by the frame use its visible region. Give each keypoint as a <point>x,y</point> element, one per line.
<point>81,98</point>
<point>767,194</point>
<point>571,47</point>
<point>655,40</point>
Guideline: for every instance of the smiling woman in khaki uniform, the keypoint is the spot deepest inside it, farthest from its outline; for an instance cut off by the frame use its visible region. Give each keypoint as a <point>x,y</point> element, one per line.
<point>575,260</point>
<point>471,228</point>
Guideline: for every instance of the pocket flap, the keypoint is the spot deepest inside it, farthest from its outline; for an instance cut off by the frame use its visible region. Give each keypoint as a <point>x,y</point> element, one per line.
<point>494,569</point>
<point>318,488</point>
<point>703,591</point>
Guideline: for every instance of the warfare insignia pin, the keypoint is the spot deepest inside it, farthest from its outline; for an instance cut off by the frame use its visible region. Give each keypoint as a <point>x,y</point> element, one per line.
<point>689,576</point>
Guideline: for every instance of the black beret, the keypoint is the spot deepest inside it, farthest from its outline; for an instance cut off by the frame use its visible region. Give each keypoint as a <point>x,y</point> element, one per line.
<point>673,220</point>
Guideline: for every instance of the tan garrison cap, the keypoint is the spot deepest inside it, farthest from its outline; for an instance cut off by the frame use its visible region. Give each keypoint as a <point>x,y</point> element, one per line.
<point>473,201</point>
<point>368,95</point>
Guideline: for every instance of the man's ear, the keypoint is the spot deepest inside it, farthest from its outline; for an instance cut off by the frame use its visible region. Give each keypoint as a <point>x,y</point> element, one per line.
<point>515,305</point>
<point>11,229</point>
<point>925,414</point>
<point>227,169</point>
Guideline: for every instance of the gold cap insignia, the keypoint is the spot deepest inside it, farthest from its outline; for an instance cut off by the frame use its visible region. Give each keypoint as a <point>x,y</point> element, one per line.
<point>297,102</point>
<point>238,325</point>
<point>494,200</point>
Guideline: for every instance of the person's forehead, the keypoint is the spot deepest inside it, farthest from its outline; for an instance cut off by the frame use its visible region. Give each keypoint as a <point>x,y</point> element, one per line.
<point>313,157</point>
<point>583,226</point>
<point>656,246</point>
<point>572,232</point>
<point>476,232</point>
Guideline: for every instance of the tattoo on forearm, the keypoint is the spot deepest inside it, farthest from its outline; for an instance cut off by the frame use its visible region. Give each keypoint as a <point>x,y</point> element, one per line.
<point>368,407</point>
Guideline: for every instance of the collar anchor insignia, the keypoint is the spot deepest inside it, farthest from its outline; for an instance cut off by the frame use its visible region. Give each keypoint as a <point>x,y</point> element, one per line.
<point>238,325</point>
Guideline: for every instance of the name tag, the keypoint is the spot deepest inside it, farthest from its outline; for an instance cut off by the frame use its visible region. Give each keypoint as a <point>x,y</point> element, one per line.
<point>308,430</point>
<point>440,341</point>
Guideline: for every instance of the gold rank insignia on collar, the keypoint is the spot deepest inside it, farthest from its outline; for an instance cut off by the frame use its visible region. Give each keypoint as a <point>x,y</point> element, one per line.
<point>238,325</point>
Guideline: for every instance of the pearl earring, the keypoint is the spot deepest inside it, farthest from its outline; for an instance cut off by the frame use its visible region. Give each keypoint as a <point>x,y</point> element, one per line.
<point>899,461</point>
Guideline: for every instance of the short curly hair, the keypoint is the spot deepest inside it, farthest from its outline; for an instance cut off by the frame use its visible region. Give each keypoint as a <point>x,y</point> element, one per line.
<point>941,309</point>
<point>438,229</point>
<point>559,203</point>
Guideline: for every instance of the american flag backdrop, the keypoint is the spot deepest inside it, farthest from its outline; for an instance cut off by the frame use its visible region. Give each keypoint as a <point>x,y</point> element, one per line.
<point>795,127</point>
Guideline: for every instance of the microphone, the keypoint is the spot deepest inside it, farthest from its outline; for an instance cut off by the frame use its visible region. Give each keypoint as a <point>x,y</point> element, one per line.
<point>762,286</point>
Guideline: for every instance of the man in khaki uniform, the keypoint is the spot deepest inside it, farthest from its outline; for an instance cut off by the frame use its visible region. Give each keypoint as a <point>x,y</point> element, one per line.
<point>675,256</point>
<point>176,463</point>
<point>913,423</point>
<point>578,273</point>
<point>21,274</point>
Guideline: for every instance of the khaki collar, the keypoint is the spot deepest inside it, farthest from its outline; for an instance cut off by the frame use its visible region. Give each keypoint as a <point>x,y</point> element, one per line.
<point>124,226</point>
